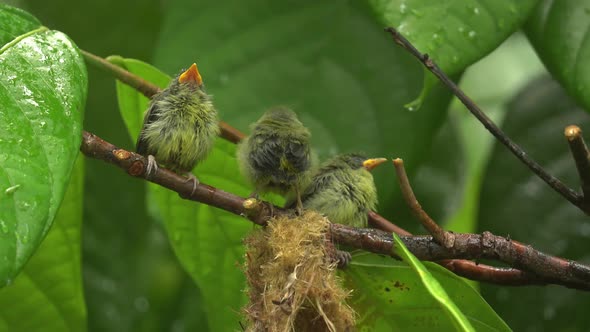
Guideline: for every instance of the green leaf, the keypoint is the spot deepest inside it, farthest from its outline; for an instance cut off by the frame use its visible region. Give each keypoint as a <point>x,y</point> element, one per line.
<point>42,94</point>
<point>432,286</point>
<point>207,241</point>
<point>129,100</point>
<point>389,297</point>
<point>516,202</point>
<point>344,76</point>
<point>455,33</point>
<point>14,22</point>
<point>559,31</point>
<point>48,294</point>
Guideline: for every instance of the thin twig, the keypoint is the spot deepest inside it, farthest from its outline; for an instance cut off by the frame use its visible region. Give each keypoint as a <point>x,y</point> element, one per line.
<point>467,246</point>
<point>552,181</point>
<point>446,239</point>
<point>581,155</point>
<point>149,89</point>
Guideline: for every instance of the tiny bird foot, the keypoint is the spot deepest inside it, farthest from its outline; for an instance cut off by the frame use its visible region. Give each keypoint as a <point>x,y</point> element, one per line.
<point>151,168</point>
<point>192,178</point>
<point>344,258</point>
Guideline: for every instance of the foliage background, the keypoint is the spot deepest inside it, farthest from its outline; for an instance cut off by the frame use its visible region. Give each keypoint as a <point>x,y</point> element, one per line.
<point>133,281</point>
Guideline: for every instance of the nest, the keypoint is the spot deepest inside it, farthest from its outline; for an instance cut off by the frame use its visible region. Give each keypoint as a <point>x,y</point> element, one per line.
<point>292,280</point>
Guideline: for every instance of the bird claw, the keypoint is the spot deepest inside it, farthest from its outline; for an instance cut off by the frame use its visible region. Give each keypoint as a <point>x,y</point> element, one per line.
<point>343,258</point>
<point>151,168</point>
<point>192,178</point>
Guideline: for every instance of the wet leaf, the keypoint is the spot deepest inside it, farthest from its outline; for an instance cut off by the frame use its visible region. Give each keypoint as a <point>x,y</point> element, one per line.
<point>390,297</point>
<point>559,32</point>
<point>43,85</point>
<point>48,294</point>
<point>454,33</point>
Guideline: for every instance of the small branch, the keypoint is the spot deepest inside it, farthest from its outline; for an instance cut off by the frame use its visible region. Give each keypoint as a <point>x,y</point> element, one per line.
<point>149,89</point>
<point>571,274</point>
<point>579,150</point>
<point>473,246</point>
<point>135,165</point>
<point>466,268</point>
<point>446,239</point>
<point>553,182</point>
<point>146,88</point>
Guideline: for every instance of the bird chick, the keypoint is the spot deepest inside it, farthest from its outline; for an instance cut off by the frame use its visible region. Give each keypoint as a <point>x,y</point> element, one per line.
<point>180,126</point>
<point>276,157</point>
<point>343,189</point>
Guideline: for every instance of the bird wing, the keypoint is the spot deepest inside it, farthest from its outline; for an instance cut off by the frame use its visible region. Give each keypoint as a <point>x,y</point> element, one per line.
<point>265,156</point>
<point>298,155</point>
<point>150,116</point>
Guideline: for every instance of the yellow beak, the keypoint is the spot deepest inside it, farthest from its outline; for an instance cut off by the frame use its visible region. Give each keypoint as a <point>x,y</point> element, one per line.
<point>191,74</point>
<point>369,164</point>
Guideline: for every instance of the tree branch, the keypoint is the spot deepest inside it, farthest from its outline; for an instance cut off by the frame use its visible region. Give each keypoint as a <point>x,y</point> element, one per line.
<point>568,193</point>
<point>446,239</point>
<point>468,246</point>
<point>149,89</point>
<point>472,246</point>
<point>581,156</point>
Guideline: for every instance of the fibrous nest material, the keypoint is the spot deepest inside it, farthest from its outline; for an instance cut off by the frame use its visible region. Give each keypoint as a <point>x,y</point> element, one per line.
<point>292,279</point>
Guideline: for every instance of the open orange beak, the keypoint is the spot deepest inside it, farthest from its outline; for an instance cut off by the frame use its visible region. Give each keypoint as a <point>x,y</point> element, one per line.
<point>369,164</point>
<point>191,75</point>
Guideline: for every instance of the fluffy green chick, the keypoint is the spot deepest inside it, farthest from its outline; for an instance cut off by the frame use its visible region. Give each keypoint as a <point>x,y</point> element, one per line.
<point>276,157</point>
<point>180,126</point>
<point>343,189</point>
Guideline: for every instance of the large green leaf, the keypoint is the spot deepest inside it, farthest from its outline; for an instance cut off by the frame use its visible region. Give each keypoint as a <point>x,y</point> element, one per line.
<point>42,93</point>
<point>559,31</point>
<point>389,297</point>
<point>206,240</point>
<point>455,33</point>
<point>518,203</point>
<point>344,76</point>
<point>48,295</point>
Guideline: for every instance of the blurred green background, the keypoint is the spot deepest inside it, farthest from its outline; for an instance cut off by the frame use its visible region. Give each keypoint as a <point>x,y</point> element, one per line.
<point>332,63</point>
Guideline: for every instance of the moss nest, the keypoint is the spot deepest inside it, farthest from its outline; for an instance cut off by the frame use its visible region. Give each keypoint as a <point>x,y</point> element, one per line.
<point>292,278</point>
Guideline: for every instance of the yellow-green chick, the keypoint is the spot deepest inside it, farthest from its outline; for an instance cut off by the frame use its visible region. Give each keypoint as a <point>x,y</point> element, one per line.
<point>180,126</point>
<point>343,189</point>
<point>276,157</point>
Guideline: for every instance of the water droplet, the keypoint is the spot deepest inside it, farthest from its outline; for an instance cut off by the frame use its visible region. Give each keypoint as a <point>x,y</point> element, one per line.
<point>223,78</point>
<point>8,282</point>
<point>410,108</point>
<point>476,11</point>
<point>4,227</point>
<point>25,235</point>
<point>513,9</point>
<point>472,34</point>
<point>403,8</point>
<point>417,13</point>
<point>461,29</point>
<point>43,123</point>
<point>455,59</point>
<point>141,304</point>
<point>548,313</point>
<point>12,189</point>
<point>435,36</point>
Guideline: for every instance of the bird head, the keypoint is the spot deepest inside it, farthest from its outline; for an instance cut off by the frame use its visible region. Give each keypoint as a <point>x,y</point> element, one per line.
<point>191,76</point>
<point>281,120</point>
<point>358,161</point>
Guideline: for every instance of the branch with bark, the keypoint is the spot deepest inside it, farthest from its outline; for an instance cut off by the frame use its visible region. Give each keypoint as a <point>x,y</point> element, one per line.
<point>541,268</point>
<point>529,266</point>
